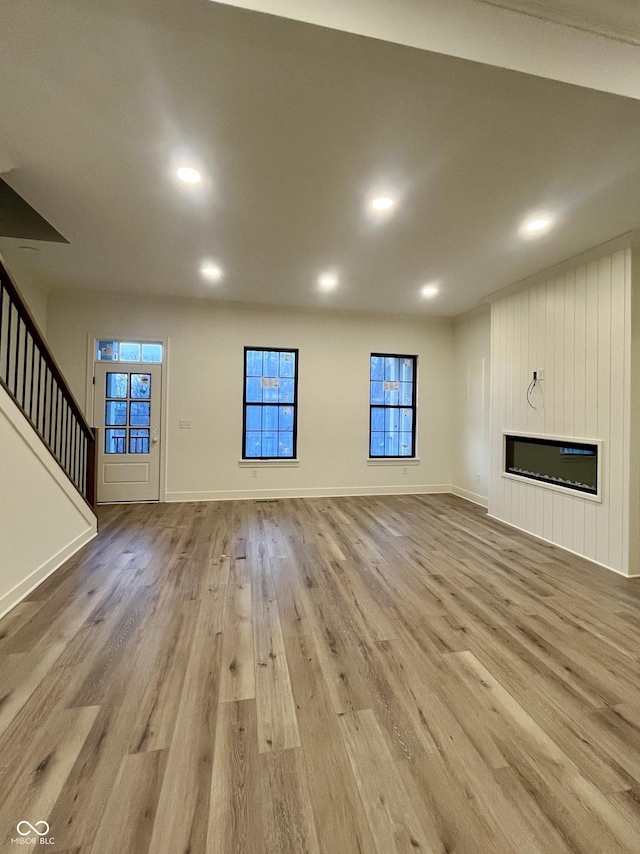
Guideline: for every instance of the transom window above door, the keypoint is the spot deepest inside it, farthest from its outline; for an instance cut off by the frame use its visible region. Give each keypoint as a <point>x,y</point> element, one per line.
<point>108,350</point>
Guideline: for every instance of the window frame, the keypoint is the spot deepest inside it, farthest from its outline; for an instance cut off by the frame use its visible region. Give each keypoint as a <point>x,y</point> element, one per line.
<point>119,341</point>
<point>294,456</point>
<point>413,408</point>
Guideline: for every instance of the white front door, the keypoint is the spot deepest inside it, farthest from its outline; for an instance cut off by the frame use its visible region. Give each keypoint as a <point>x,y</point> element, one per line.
<point>127,415</point>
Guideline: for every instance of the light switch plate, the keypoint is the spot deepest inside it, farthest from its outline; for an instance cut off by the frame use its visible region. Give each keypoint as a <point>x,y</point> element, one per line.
<point>184,425</point>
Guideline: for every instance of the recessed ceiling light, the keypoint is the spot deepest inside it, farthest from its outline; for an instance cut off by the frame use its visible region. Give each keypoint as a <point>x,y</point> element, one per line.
<point>188,175</point>
<point>327,281</point>
<point>537,224</point>
<point>383,203</point>
<point>211,271</point>
<point>429,291</point>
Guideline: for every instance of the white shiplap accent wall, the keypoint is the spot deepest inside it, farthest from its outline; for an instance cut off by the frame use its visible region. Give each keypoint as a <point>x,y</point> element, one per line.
<point>577,329</point>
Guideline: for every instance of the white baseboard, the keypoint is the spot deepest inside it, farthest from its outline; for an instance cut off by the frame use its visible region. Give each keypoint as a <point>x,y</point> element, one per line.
<point>311,492</point>
<point>563,548</point>
<point>470,496</point>
<point>24,587</point>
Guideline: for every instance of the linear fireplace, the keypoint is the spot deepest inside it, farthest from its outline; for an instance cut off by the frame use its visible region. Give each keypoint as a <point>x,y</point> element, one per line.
<point>555,462</point>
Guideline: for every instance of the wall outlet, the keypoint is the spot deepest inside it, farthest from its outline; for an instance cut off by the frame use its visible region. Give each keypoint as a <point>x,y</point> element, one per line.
<point>184,425</point>
<point>477,477</point>
<point>254,472</point>
<point>405,470</point>
<point>540,375</point>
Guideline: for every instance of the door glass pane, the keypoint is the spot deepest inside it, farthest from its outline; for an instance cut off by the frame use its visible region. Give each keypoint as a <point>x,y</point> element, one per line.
<point>138,441</point>
<point>107,351</point>
<point>115,441</point>
<point>139,414</point>
<point>406,394</point>
<point>152,352</point>
<point>129,352</point>
<point>117,385</point>
<point>115,413</point>
<point>141,386</point>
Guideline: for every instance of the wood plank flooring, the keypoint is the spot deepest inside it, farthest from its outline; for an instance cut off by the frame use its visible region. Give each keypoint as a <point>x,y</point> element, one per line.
<point>323,676</point>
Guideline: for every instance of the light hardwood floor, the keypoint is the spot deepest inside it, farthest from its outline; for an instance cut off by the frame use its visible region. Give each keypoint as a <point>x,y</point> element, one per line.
<point>323,676</point>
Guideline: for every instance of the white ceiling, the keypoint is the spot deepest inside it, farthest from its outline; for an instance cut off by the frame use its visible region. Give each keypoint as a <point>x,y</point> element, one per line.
<point>295,124</point>
<point>618,19</point>
<point>533,36</point>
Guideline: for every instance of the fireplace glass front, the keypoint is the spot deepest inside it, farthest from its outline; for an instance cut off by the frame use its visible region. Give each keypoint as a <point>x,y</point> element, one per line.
<point>573,465</point>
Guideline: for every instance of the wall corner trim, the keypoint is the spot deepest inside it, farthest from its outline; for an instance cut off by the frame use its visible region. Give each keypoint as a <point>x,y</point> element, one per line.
<point>474,497</point>
<point>477,311</point>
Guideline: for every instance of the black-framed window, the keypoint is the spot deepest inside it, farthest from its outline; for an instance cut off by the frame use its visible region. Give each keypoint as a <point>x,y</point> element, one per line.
<point>270,421</point>
<point>392,405</point>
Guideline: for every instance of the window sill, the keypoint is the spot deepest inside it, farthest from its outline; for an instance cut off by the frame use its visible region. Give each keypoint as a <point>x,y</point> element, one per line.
<point>257,463</point>
<point>393,461</point>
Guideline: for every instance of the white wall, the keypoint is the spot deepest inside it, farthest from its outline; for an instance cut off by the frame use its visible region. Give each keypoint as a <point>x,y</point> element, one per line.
<point>471,427</point>
<point>35,296</point>
<point>43,521</point>
<point>33,293</point>
<point>577,328</point>
<point>633,379</point>
<point>206,378</point>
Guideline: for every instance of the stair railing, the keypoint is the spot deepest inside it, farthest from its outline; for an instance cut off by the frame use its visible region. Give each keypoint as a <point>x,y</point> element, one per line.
<point>31,376</point>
